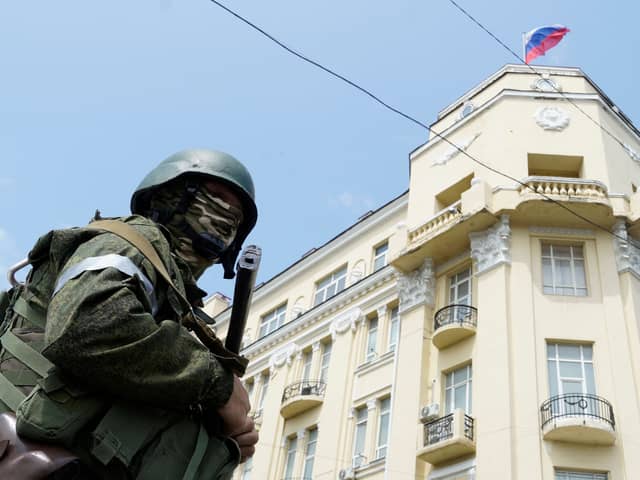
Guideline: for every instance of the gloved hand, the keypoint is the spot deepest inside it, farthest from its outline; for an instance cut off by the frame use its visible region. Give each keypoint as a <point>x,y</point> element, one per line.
<point>236,422</point>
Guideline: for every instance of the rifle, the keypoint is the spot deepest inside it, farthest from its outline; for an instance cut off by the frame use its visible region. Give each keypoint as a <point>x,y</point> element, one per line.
<point>228,354</point>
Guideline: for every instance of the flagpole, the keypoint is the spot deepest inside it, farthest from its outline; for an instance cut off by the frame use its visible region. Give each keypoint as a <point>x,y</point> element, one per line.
<point>524,48</point>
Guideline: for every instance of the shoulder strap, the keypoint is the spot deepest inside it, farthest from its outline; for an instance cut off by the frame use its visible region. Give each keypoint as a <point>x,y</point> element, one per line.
<point>138,240</point>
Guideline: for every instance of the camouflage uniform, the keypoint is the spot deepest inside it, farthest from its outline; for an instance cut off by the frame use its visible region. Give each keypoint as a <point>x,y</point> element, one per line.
<point>100,329</point>
<point>126,387</point>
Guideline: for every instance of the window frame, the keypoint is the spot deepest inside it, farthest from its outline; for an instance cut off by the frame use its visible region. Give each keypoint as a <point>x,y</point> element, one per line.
<point>384,415</point>
<point>557,290</point>
<point>583,361</point>
<point>377,256</point>
<point>273,320</point>
<point>324,364</point>
<point>579,475</point>
<point>310,431</point>
<point>336,280</point>
<point>449,407</point>
<point>394,329</point>
<point>362,418</point>
<point>371,352</point>
<point>290,457</point>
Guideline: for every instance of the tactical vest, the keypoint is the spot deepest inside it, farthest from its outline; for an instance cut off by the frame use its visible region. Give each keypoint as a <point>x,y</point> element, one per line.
<point>111,436</point>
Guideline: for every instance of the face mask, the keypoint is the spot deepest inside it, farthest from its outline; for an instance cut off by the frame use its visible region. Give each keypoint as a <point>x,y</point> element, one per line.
<point>205,230</point>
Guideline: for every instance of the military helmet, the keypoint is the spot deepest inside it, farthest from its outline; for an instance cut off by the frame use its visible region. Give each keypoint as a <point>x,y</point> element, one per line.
<point>208,164</point>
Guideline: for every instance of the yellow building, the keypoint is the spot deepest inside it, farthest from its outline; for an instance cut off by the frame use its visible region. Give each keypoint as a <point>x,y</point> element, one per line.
<point>479,326</point>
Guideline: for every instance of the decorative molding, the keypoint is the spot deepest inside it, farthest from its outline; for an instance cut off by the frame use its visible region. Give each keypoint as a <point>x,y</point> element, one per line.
<point>453,151</point>
<point>575,232</point>
<point>283,355</point>
<point>635,156</point>
<point>301,434</point>
<point>546,84</point>
<point>372,404</point>
<point>315,347</point>
<point>493,246</point>
<point>417,287</point>
<point>357,272</point>
<point>627,257</point>
<point>345,322</point>
<point>552,118</point>
<point>381,311</point>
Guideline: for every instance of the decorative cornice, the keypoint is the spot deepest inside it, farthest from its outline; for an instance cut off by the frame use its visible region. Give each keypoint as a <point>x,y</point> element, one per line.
<point>560,231</point>
<point>492,247</point>
<point>627,256</point>
<point>283,356</point>
<point>417,287</point>
<point>635,156</point>
<point>322,311</point>
<point>453,151</point>
<point>344,322</point>
<point>552,118</point>
<point>381,311</point>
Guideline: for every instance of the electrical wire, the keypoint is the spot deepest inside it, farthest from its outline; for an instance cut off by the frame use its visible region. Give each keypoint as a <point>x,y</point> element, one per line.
<point>331,72</point>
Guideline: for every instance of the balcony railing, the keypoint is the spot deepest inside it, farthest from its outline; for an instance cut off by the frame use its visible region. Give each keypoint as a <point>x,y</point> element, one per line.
<point>439,220</point>
<point>303,388</point>
<point>448,437</point>
<point>573,187</point>
<point>454,323</point>
<point>442,429</point>
<point>301,396</point>
<point>578,417</point>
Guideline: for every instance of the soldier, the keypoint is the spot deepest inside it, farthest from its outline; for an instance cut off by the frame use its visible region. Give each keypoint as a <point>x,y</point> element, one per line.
<point>132,393</point>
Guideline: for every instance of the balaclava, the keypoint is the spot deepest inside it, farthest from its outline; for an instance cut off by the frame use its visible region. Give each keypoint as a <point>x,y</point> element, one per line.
<point>203,224</point>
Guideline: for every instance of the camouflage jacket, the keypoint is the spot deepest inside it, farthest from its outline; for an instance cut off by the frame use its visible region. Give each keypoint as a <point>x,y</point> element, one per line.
<point>114,326</point>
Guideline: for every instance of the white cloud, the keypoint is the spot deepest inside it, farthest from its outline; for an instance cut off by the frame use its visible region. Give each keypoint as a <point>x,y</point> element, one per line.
<point>353,202</point>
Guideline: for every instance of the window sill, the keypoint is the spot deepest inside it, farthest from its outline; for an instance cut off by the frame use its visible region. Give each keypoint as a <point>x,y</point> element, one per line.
<point>371,468</point>
<point>375,363</point>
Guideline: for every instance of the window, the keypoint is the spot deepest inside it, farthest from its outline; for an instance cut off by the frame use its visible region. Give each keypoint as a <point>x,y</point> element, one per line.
<point>359,458</point>
<point>306,365</point>
<point>290,461</point>
<point>460,293</point>
<point>453,194</point>
<point>567,475</point>
<point>394,328</point>
<point>570,369</point>
<point>563,271</point>
<point>324,362</point>
<point>246,471</point>
<point>249,388</point>
<point>272,320</point>
<point>330,285</point>
<point>263,391</point>
<point>458,390</point>
<point>383,427</point>
<point>309,454</point>
<point>372,337</point>
<point>380,256</point>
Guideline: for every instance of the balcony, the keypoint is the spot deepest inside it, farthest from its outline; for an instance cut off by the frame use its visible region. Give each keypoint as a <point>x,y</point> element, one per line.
<point>300,397</point>
<point>578,418</point>
<point>439,222</point>
<point>448,437</point>
<point>454,323</point>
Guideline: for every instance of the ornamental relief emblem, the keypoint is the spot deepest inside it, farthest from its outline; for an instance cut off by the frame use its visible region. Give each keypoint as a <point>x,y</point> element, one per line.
<point>552,118</point>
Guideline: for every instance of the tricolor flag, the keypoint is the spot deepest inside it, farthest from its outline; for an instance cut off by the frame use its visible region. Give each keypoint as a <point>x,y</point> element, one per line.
<point>541,39</point>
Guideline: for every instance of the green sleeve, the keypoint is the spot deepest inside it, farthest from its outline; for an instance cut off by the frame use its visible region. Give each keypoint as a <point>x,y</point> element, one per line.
<point>100,330</point>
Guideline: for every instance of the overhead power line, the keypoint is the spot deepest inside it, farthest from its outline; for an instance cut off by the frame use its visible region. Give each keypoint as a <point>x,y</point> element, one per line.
<point>425,126</point>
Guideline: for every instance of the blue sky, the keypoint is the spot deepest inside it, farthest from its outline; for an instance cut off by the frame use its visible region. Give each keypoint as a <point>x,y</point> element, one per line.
<point>94,94</point>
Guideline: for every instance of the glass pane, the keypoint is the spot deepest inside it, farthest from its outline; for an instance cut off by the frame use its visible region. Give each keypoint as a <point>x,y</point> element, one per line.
<point>581,278</point>
<point>460,375</point>
<point>587,352</point>
<point>384,430</point>
<point>553,378</point>
<point>547,273</point>
<point>561,251</point>
<point>546,249</point>
<point>341,284</point>
<point>571,352</point>
<point>463,291</point>
<point>590,381</point>
<point>448,401</point>
<point>461,397</point>
<point>551,350</point>
<point>569,386</point>
<point>577,252</point>
<point>570,370</point>
<point>549,290</point>
<point>361,431</point>
<point>449,379</point>
<point>319,297</point>
<point>563,273</point>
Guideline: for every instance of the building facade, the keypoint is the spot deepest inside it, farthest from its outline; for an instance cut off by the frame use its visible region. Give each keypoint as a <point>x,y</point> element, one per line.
<point>482,325</point>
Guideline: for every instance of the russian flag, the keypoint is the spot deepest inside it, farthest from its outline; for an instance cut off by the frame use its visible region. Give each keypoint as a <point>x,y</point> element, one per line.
<point>541,39</point>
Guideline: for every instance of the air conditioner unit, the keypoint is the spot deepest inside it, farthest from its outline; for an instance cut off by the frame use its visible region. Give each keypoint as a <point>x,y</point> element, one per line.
<point>346,474</point>
<point>429,412</point>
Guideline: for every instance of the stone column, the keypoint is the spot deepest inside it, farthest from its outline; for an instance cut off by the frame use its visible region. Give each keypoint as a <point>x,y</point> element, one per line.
<point>416,291</point>
<point>492,362</point>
